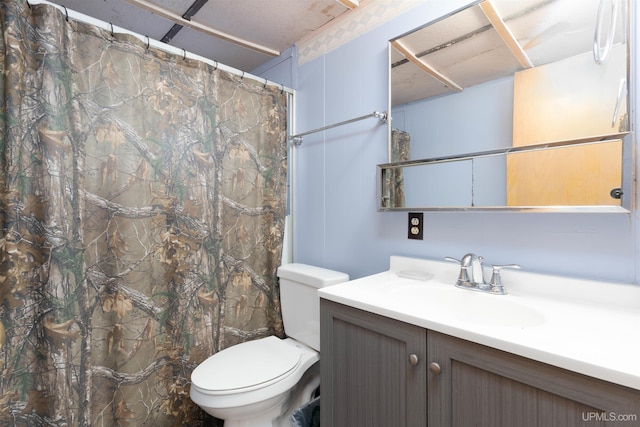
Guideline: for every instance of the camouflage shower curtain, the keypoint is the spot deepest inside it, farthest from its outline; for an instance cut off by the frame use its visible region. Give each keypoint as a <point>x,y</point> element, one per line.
<point>142,200</point>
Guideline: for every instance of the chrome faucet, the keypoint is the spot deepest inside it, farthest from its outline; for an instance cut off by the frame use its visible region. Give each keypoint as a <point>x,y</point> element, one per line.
<point>471,275</point>
<point>470,271</point>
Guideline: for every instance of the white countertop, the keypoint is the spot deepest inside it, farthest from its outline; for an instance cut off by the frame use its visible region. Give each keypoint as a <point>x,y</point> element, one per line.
<point>584,326</point>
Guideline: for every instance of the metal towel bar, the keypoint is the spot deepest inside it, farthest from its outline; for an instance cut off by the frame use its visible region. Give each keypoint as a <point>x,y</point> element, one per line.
<point>297,139</point>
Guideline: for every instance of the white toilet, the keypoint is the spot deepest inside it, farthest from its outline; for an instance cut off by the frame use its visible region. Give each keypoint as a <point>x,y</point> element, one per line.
<point>259,383</point>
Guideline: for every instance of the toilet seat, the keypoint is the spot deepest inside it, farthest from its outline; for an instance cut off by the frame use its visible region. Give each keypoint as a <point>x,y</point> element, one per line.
<point>263,361</point>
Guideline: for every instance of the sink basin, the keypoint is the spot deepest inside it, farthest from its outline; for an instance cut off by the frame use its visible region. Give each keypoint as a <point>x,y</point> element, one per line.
<point>499,310</point>
<point>466,305</point>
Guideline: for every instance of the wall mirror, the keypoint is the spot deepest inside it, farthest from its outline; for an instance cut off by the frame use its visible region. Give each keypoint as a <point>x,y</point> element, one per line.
<point>512,105</point>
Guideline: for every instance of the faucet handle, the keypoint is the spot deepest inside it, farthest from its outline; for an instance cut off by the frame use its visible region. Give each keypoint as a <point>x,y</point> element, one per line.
<point>496,279</point>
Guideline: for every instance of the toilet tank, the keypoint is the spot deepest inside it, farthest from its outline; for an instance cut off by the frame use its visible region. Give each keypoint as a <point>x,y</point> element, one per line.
<point>299,284</point>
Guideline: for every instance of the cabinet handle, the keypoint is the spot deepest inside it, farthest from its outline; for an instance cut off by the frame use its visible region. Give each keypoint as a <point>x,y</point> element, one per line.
<point>435,368</point>
<point>413,359</point>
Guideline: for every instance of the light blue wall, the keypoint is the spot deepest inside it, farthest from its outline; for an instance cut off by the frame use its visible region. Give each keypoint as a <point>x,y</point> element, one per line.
<point>282,69</point>
<point>336,224</point>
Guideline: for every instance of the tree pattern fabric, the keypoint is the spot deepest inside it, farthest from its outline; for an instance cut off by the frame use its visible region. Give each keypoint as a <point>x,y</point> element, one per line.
<point>142,205</point>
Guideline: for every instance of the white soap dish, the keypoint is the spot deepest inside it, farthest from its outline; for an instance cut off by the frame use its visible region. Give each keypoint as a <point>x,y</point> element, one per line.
<point>415,275</point>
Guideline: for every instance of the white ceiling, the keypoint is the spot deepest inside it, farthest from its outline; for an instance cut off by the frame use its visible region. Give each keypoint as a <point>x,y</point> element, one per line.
<point>275,24</point>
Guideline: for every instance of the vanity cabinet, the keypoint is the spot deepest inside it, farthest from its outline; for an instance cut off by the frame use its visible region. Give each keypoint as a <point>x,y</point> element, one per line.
<point>376,371</point>
<point>372,370</point>
<point>479,386</point>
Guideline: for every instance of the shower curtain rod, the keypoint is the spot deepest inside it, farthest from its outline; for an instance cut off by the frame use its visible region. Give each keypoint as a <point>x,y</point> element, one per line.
<point>77,16</point>
<point>297,139</point>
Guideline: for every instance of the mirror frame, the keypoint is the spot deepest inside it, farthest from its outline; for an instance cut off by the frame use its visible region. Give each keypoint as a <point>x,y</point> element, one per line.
<point>626,137</point>
<point>629,145</point>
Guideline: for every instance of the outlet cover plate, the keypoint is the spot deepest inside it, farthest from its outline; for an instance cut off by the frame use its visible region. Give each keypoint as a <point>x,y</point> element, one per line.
<point>415,229</point>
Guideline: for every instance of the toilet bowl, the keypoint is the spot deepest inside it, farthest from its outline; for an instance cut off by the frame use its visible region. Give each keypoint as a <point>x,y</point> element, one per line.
<point>255,390</point>
<point>259,383</point>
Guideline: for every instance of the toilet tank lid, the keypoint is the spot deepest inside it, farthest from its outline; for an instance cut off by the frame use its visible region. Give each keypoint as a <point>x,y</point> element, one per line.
<point>311,275</point>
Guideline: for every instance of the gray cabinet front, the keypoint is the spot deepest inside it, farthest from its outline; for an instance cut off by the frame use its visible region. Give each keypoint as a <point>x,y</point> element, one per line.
<point>373,370</point>
<point>482,386</point>
<point>380,372</point>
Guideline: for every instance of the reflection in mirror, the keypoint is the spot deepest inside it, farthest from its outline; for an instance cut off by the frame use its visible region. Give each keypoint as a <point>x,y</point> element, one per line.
<point>578,175</point>
<point>501,74</point>
<point>588,176</point>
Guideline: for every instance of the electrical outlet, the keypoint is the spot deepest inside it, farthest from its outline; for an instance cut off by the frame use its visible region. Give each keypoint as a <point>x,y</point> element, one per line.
<point>416,226</point>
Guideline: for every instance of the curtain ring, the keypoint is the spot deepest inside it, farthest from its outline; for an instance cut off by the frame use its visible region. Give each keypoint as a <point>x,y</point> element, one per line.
<point>148,43</point>
<point>281,89</point>
<point>184,54</point>
<point>264,86</point>
<point>242,76</point>
<point>113,36</point>
<point>66,12</point>
<point>216,67</point>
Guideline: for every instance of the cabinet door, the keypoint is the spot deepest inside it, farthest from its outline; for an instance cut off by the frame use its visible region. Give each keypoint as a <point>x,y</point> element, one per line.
<point>373,370</point>
<point>480,386</point>
<point>579,175</point>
